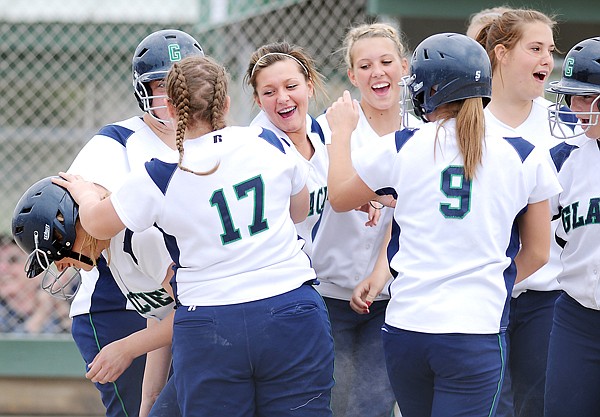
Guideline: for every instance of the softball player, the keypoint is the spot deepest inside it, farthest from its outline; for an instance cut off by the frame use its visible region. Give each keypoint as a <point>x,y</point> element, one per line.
<point>464,195</point>
<point>45,225</point>
<point>345,251</point>
<point>251,335</point>
<point>573,373</point>
<point>520,45</point>
<point>284,79</point>
<point>101,314</point>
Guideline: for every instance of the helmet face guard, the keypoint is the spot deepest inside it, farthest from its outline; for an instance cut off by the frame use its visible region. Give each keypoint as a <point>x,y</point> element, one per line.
<point>61,284</point>
<point>580,77</point>
<point>152,60</point>
<point>44,226</point>
<point>564,124</point>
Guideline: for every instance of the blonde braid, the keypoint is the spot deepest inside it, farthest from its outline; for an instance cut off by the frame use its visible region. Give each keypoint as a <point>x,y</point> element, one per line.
<point>181,102</point>
<point>217,114</point>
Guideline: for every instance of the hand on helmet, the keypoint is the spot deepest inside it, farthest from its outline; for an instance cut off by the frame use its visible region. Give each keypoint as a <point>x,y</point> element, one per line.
<point>79,189</point>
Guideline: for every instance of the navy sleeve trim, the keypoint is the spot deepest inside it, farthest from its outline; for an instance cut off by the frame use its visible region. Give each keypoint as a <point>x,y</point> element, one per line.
<point>387,191</point>
<point>161,173</point>
<point>568,117</point>
<point>522,147</point>
<point>402,136</point>
<point>127,245</point>
<point>315,127</point>
<point>560,153</point>
<point>119,133</point>
<point>272,138</point>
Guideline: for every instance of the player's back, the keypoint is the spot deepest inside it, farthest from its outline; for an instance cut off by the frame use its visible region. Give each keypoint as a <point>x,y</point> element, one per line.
<point>230,232</point>
<point>454,234</point>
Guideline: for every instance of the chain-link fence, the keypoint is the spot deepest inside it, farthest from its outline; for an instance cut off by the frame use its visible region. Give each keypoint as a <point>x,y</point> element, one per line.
<point>63,80</point>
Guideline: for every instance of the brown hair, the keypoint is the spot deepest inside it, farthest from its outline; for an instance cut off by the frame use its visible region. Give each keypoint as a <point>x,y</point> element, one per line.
<point>269,54</point>
<point>508,28</point>
<point>470,130</point>
<point>197,87</point>
<point>373,30</point>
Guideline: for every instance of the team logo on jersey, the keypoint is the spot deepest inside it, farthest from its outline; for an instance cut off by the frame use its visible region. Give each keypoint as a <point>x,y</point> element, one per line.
<point>569,67</point>
<point>174,52</point>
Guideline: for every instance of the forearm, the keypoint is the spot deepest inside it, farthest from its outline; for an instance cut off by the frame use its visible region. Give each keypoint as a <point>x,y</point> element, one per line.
<point>158,363</point>
<point>345,188</point>
<point>381,270</point>
<point>534,229</point>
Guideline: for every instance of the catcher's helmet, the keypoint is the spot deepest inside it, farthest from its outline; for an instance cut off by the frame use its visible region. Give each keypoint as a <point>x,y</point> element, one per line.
<point>580,77</point>
<point>43,225</point>
<point>153,58</point>
<point>448,67</point>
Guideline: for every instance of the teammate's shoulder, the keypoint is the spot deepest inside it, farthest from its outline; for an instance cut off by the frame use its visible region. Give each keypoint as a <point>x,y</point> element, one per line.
<point>564,150</point>
<point>121,131</point>
<point>160,172</point>
<point>401,137</point>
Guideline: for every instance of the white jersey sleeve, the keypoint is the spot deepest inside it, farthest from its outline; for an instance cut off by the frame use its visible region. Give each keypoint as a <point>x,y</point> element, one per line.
<point>103,160</point>
<point>139,263</point>
<point>138,201</point>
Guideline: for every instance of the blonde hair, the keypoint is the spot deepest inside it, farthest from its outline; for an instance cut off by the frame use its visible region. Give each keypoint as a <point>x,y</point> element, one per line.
<point>373,30</point>
<point>508,28</point>
<point>470,130</point>
<point>269,54</point>
<point>197,87</point>
<point>484,17</point>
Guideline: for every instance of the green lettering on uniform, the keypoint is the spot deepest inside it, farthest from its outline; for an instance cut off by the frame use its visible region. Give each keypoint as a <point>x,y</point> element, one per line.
<point>311,211</point>
<point>593,215</point>
<point>321,198</point>
<point>174,52</point>
<point>577,220</point>
<point>565,215</point>
<point>569,62</point>
<point>141,308</point>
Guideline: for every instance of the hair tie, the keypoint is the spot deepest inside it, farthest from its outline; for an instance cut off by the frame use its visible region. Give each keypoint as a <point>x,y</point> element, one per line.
<point>280,54</point>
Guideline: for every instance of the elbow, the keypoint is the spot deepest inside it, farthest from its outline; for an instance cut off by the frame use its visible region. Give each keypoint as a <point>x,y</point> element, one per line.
<point>538,259</point>
<point>338,204</point>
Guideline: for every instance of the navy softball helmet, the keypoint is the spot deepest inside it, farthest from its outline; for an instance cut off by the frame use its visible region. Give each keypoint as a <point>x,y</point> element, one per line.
<point>43,225</point>
<point>580,77</point>
<point>580,71</point>
<point>448,67</point>
<point>153,58</point>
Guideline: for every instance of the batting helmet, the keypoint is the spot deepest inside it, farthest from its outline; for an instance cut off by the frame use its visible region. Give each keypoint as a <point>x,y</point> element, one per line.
<point>448,67</point>
<point>153,58</point>
<point>580,77</point>
<point>43,225</point>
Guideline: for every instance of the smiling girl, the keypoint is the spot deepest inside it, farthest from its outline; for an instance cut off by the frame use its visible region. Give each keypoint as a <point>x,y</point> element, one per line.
<point>344,251</point>
<point>284,80</point>
<point>520,44</point>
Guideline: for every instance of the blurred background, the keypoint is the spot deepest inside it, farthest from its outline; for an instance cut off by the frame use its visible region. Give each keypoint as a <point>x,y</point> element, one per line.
<point>65,71</point>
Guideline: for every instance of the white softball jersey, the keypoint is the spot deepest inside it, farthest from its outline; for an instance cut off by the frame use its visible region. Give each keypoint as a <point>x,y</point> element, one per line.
<point>536,129</point>
<point>106,159</point>
<point>229,233</point>
<point>578,204</point>
<point>344,249</point>
<point>454,239</point>
<point>139,263</point>
<point>317,178</point>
